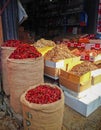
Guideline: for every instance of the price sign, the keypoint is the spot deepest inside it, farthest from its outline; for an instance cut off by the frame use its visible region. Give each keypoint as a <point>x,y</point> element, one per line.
<point>97,45</point>
<point>87,58</point>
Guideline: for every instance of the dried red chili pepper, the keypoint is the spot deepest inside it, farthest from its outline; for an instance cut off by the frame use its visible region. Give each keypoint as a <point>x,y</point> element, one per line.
<point>43,94</point>
<point>25,51</point>
<point>11,43</point>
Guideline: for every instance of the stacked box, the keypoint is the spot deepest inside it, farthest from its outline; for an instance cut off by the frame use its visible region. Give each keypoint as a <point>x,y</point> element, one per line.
<point>96,90</point>
<point>51,72</point>
<point>53,68</point>
<point>85,106</point>
<point>75,78</point>
<point>96,76</point>
<point>78,86</point>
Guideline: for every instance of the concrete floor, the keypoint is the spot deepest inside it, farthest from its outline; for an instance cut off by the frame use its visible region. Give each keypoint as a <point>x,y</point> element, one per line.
<point>72,120</point>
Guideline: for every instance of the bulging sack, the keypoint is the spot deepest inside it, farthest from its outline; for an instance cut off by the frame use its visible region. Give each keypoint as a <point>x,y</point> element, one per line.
<point>23,73</point>
<point>5,53</point>
<point>42,116</point>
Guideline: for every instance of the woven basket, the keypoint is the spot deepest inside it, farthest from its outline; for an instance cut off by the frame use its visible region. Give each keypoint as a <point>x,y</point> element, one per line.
<point>42,116</point>
<point>5,53</point>
<point>21,75</point>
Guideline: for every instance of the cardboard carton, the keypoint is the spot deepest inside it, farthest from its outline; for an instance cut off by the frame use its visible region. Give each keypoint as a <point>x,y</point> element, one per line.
<point>51,72</point>
<point>85,106</point>
<point>75,78</point>
<point>96,76</point>
<point>76,87</point>
<point>58,64</point>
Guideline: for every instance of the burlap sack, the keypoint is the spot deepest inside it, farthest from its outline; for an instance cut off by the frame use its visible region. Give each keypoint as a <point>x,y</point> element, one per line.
<point>21,75</point>
<point>5,53</point>
<point>42,116</point>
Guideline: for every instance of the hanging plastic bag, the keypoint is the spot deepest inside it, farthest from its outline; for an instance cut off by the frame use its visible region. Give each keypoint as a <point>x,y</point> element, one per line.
<point>22,15</point>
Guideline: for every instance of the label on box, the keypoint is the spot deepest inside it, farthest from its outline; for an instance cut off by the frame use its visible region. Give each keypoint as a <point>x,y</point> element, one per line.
<point>88,46</point>
<point>87,57</point>
<point>92,46</point>
<point>83,45</point>
<point>97,45</point>
<point>82,57</point>
<point>79,44</point>
<point>92,58</point>
<point>72,44</point>
<point>75,44</point>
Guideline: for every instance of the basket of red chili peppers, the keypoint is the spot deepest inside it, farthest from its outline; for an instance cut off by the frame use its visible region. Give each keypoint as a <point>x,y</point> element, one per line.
<point>43,107</point>
<point>25,67</point>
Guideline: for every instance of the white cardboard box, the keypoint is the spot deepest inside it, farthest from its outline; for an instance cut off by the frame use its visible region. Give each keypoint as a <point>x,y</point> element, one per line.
<point>85,105</point>
<point>96,76</point>
<point>59,64</point>
<point>96,90</point>
<point>96,72</point>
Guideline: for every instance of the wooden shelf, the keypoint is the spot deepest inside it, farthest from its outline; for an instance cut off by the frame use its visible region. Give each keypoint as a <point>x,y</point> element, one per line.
<point>56,14</point>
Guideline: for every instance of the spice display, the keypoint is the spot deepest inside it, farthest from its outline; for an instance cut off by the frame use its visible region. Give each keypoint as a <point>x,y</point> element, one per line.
<point>82,68</point>
<point>43,42</point>
<point>59,52</point>
<point>84,40</point>
<point>90,52</point>
<point>43,94</point>
<point>25,51</point>
<point>11,43</point>
<point>76,52</point>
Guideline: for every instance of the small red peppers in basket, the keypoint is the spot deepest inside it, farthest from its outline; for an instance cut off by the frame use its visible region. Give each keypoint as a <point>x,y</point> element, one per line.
<point>43,94</point>
<point>24,51</point>
<point>11,43</point>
